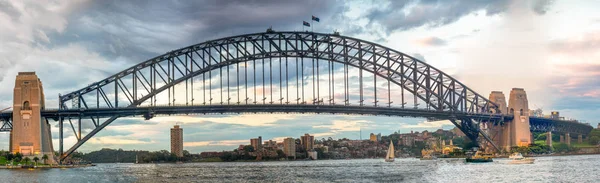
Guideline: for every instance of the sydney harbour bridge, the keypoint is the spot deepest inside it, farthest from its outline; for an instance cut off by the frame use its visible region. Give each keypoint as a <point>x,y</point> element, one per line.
<point>291,72</point>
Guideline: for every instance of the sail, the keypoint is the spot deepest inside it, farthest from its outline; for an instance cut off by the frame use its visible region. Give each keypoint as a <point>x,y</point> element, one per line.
<point>390,153</point>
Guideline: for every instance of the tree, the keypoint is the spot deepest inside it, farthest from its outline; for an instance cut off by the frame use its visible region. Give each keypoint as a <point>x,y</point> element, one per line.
<point>36,159</point>
<point>594,140</point>
<point>45,158</point>
<point>9,156</point>
<point>248,148</point>
<point>18,157</point>
<point>26,159</point>
<point>280,153</point>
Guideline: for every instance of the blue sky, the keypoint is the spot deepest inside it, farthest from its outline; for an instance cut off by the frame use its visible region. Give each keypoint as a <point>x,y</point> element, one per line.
<point>550,48</point>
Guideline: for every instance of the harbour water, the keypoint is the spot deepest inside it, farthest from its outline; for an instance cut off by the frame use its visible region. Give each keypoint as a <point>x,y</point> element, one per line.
<point>584,168</point>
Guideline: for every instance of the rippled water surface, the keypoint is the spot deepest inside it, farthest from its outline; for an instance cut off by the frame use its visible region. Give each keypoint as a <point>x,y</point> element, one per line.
<point>546,169</point>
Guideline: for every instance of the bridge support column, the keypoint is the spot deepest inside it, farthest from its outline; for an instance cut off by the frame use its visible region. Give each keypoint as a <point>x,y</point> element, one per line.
<point>562,139</point>
<point>30,135</point>
<point>580,138</point>
<point>518,106</point>
<point>549,138</point>
<point>568,139</point>
<point>500,134</point>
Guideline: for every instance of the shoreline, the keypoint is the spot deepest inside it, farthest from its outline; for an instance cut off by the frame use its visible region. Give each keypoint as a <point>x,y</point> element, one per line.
<point>46,166</point>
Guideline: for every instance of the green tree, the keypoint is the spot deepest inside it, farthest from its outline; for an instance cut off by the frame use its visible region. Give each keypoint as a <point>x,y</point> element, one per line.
<point>594,140</point>
<point>45,158</point>
<point>248,148</point>
<point>562,147</point>
<point>18,157</point>
<point>26,159</point>
<point>280,153</point>
<point>9,156</point>
<point>36,159</point>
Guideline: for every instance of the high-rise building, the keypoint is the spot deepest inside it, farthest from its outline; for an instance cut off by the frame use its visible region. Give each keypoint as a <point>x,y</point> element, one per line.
<point>307,141</point>
<point>289,147</point>
<point>177,141</point>
<point>256,143</point>
<point>270,144</point>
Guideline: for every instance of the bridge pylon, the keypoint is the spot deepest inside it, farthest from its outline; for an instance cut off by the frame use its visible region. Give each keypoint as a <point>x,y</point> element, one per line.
<point>30,134</point>
<point>518,106</point>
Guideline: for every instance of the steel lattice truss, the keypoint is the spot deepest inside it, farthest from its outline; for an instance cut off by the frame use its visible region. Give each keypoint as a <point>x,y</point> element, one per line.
<point>539,124</point>
<point>183,74</point>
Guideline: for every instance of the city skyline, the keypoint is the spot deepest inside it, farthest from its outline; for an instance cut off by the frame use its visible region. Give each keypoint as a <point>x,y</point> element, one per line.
<point>459,43</point>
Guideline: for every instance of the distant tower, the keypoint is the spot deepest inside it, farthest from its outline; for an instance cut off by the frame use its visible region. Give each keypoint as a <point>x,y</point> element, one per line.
<point>500,134</point>
<point>518,106</point>
<point>30,134</point>
<point>177,141</point>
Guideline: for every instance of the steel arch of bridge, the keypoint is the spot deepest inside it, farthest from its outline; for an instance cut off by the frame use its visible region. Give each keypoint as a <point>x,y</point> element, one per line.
<point>139,85</point>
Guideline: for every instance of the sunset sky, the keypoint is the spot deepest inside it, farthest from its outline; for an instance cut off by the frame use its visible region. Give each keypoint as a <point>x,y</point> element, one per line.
<point>549,48</point>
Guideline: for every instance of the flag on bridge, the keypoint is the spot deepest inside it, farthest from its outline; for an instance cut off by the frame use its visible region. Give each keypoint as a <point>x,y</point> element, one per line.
<point>305,23</point>
<point>314,18</point>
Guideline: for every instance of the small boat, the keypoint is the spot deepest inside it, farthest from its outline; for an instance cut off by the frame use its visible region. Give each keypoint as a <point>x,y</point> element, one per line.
<point>480,157</point>
<point>517,158</point>
<point>428,157</point>
<point>390,153</point>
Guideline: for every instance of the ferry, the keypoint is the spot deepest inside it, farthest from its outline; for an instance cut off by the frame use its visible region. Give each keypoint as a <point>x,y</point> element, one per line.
<point>517,158</point>
<point>480,157</point>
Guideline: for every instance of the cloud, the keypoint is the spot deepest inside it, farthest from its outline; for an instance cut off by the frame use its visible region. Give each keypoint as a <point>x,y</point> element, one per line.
<point>419,56</point>
<point>117,140</point>
<point>216,143</point>
<point>429,125</point>
<point>399,15</point>
<point>431,41</point>
<point>583,45</point>
<point>542,6</point>
<point>406,14</point>
<point>243,119</point>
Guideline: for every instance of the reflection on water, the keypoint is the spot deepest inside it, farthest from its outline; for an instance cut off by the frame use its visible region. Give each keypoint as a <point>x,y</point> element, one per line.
<point>546,169</point>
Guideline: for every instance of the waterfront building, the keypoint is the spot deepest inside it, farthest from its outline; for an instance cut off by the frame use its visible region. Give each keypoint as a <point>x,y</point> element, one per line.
<point>554,115</point>
<point>307,141</point>
<point>312,154</point>
<point>373,137</point>
<point>408,140</point>
<point>271,144</point>
<point>177,141</point>
<point>256,143</point>
<point>289,147</point>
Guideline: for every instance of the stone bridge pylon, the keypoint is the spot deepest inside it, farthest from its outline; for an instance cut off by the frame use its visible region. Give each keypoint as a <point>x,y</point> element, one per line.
<point>516,132</point>
<point>30,134</point>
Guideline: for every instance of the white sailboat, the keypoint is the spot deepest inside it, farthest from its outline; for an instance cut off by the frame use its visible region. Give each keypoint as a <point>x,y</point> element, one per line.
<point>390,153</point>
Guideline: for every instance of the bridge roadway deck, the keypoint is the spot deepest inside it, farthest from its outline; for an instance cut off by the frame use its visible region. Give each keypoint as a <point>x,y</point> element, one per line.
<point>537,123</point>
<point>275,108</point>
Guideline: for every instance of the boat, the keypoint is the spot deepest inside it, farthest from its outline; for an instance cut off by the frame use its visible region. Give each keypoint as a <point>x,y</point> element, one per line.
<point>390,153</point>
<point>428,157</point>
<point>480,157</point>
<point>517,158</point>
